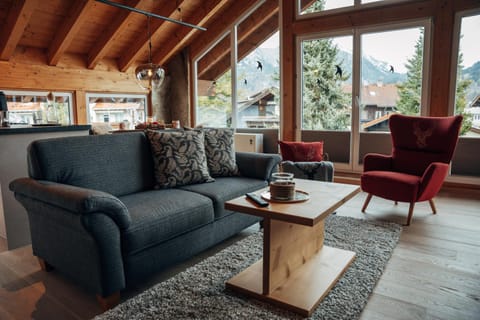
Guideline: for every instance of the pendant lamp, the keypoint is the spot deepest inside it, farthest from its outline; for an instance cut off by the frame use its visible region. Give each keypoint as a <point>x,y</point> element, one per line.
<point>149,75</point>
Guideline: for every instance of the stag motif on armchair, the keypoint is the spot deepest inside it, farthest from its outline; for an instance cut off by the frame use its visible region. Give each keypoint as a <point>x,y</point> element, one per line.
<point>422,148</point>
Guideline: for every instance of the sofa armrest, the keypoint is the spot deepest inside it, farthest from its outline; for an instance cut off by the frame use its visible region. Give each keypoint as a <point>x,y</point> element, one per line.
<point>377,162</point>
<point>257,165</point>
<point>74,199</point>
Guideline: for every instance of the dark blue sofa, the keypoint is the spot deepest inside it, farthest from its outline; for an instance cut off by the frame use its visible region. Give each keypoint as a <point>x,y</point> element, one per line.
<point>95,216</point>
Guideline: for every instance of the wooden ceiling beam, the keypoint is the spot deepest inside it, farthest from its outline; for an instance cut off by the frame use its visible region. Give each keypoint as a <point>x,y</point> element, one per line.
<point>168,9</point>
<point>253,24</point>
<point>109,36</point>
<point>15,24</point>
<point>73,21</point>
<point>204,13</point>
<point>220,25</point>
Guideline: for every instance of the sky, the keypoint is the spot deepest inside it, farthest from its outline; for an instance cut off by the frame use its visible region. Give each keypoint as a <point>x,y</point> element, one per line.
<point>396,47</point>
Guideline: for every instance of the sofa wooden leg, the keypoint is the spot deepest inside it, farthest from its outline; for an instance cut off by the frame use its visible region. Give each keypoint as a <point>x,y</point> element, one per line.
<point>410,213</point>
<point>432,205</point>
<point>367,201</point>
<point>44,265</point>
<point>108,302</point>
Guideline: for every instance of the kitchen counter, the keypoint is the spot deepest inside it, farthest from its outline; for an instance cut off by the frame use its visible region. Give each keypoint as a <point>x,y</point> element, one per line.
<point>20,129</point>
<point>14,141</point>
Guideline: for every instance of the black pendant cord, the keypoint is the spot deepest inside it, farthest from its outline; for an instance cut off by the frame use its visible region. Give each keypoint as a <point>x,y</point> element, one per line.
<point>150,14</point>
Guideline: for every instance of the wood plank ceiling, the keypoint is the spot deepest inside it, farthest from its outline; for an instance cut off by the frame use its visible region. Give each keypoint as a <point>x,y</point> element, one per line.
<point>95,31</point>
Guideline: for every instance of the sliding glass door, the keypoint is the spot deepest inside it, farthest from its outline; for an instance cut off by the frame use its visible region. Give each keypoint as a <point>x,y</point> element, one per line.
<point>326,99</point>
<point>352,82</point>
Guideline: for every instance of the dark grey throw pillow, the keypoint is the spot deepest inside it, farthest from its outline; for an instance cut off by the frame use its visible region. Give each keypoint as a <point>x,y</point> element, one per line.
<point>179,158</point>
<point>220,152</point>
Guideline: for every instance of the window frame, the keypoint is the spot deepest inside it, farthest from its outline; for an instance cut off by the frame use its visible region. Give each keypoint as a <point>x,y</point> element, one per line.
<point>89,95</point>
<point>456,178</point>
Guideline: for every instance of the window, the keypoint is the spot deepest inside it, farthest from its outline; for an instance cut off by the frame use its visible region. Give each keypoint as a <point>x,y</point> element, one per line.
<point>391,76</point>
<point>116,108</point>
<point>214,86</point>
<point>39,107</point>
<point>309,6</point>
<point>258,86</point>
<point>326,83</point>
<point>306,6</point>
<point>467,93</point>
<point>238,77</point>
<point>466,101</point>
<point>351,81</point>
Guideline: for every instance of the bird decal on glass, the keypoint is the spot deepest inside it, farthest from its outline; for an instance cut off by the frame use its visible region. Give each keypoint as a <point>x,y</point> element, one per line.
<point>392,70</point>
<point>339,71</point>
<point>259,66</point>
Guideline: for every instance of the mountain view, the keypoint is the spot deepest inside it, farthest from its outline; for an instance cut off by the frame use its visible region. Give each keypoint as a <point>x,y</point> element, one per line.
<point>373,71</point>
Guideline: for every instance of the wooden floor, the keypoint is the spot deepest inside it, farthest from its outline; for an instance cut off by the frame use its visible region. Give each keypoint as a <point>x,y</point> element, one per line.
<point>434,272</point>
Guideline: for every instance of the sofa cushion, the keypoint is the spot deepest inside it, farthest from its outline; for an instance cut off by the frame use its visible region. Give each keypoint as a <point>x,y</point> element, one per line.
<point>160,215</point>
<point>224,189</point>
<point>179,158</point>
<point>220,152</point>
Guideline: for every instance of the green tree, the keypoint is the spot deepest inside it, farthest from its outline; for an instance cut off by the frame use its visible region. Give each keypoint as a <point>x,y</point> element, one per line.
<point>325,105</point>
<point>410,92</point>
<point>215,109</point>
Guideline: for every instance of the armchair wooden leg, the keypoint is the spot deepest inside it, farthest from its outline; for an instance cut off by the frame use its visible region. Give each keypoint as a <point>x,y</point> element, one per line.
<point>108,302</point>
<point>396,202</point>
<point>367,201</point>
<point>410,213</point>
<point>44,265</point>
<point>432,205</point>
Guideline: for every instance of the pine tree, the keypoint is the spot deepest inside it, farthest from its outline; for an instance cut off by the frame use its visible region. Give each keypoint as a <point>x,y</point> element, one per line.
<point>410,92</point>
<point>325,105</point>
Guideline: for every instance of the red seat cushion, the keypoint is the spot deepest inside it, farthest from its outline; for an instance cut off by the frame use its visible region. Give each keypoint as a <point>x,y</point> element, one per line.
<point>391,185</point>
<point>301,151</point>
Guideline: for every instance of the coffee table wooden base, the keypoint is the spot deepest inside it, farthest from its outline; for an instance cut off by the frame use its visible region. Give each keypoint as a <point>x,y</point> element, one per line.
<point>305,288</point>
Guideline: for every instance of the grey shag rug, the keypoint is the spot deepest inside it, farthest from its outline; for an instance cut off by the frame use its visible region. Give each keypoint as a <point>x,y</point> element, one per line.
<point>199,292</point>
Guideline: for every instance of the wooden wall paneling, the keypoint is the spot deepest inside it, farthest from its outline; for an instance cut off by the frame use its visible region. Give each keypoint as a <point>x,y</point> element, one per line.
<point>64,36</point>
<point>288,70</point>
<point>80,107</point>
<point>14,26</point>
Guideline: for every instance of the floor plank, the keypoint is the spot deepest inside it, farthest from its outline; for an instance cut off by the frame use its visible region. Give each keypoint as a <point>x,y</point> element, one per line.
<point>434,272</point>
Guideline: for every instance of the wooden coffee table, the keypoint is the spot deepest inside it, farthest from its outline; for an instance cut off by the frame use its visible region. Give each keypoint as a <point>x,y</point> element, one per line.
<point>297,270</point>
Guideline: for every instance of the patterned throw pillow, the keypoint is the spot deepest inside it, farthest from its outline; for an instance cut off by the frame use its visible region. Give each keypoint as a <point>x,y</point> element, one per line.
<point>219,148</point>
<point>179,158</point>
<point>301,151</point>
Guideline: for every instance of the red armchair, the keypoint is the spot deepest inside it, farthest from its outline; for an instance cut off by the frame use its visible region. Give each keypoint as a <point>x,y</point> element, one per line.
<point>422,148</point>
